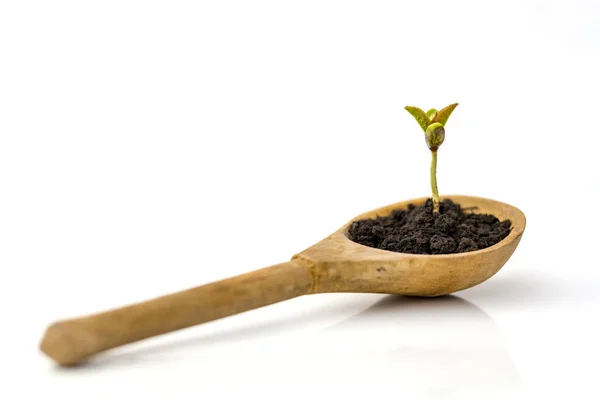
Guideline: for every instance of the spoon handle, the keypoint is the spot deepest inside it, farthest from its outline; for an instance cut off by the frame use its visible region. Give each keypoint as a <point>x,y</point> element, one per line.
<point>70,341</point>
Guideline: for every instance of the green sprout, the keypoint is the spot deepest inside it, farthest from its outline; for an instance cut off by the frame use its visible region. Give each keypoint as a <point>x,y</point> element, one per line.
<point>432,122</point>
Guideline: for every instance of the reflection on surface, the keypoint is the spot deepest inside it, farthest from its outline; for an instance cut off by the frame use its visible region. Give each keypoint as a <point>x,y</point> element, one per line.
<point>437,343</point>
<point>444,341</point>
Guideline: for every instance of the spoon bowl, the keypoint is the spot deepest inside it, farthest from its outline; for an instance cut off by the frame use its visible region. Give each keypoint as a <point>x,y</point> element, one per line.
<point>335,264</point>
<point>341,265</point>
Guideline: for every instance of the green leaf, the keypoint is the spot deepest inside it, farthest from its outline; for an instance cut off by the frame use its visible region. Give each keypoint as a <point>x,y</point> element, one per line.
<point>432,113</point>
<point>420,116</point>
<point>443,115</point>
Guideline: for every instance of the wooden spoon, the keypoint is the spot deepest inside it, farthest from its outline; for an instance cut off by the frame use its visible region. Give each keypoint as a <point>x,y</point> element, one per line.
<point>335,264</point>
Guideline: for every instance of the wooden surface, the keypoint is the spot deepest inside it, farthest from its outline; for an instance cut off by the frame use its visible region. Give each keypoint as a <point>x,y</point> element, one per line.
<point>336,264</point>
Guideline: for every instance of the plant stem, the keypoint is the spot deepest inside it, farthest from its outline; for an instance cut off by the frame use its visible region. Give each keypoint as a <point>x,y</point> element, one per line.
<point>433,177</point>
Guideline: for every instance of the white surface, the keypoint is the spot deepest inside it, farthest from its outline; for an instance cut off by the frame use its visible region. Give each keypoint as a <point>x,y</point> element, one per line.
<point>147,147</point>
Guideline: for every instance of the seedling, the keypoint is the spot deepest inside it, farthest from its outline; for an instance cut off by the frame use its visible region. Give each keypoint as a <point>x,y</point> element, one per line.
<point>433,122</point>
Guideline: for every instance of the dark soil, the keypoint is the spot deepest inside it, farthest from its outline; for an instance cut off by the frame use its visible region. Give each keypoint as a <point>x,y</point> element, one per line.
<point>418,230</point>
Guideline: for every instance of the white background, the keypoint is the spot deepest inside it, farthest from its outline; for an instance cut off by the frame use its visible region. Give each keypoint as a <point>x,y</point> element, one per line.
<point>148,147</point>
